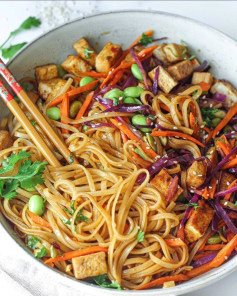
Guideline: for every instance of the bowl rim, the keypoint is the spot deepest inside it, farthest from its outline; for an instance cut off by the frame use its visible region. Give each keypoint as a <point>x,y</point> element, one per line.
<point>189,286</point>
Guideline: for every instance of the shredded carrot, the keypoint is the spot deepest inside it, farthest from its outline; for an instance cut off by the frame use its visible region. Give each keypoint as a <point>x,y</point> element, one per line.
<point>124,137</point>
<point>231,113</point>
<point>38,220</point>
<point>199,270</point>
<point>142,162</point>
<point>162,280</point>
<point>117,77</point>
<point>204,86</point>
<point>216,247</point>
<point>84,107</point>
<point>221,223</point>
<point>131,136</point>
<point>164,107</point>
<point>230,235</point>
<point>176,134</point>
<point>147,33</point>
<point>230,164</point>
<point>77,253</point>
<point>209,134</point>
<point>209,190</point>
<point>193,125</point>
<point>232,185</point>
<point>180,233</point>
<point>64,111</point>
<point>174,242</point>
<point>233,143</point>
<point>225,147</point>
<point>91,74</point>
<point>72,93</point>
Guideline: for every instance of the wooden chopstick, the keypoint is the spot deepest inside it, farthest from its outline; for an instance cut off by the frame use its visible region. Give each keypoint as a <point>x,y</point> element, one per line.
<point>43,123</point>
<point>27,125</point>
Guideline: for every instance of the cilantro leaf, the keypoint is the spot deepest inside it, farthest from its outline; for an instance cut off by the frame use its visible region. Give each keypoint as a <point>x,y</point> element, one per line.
<point>192,204</point>
<point>208,115</point>
<point>87,51</point>
<point>33,242</point>
<point>81,217</point>
<point>41,253</point>
<point>9,52</point>
<point>33,122</point>
<point>145,39</point>
<point>235,204</point>
<point>115,102</point>
<point>71,158</point>
<point>7,189</point>
<point>103,281</point>
<point>140,236</point>
<point>68,222</point>
<point>8,163</point>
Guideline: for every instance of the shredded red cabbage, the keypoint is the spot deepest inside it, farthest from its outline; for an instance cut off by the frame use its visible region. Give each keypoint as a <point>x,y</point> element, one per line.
<point>214,224</point>
<point>194,199</point>
<point>225,216</point>
<point>129,108</point>
<point>223,193</point>
<point>204,260</point>
<point>155,83</point>
<point>219,97</point>
<point>202,67</point>
<point>130,81</point>
<point>230,135</point>
<point>105,102</point>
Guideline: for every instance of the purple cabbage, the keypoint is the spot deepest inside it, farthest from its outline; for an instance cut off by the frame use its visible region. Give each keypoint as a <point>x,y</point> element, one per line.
<point>155,83</point>
<point>224,216</point>
<point>194,199</point>
<point>204,260</point>
<point>130,81</point>
<point>129,108</point>
<point>219,97</point>
<point>223,193</point>
<point>202,67</point>
<point>230,135</point>
<point>214,224</point>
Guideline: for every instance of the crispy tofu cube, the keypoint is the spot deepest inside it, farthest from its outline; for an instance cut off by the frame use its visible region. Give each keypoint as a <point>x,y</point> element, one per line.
<point>107,57</point>
<point>81,47</point>
<point>6,140</point>
<point>46,72</point>
<point>49,89</point>
<point>165,81</point>
<point>89,265</point>
<point>175,52</point>
<point>195,63</point>
<point>160,54</point>
<point>137,49</point>
<point>75,65</point>
<point>198,222</point>
<point>226,180</point>
<point>212,156</point>
<point>227,89</point>
<point>196,173</point>
<point>199,77</point>
<point>181,70</point>
<point>162,183</point>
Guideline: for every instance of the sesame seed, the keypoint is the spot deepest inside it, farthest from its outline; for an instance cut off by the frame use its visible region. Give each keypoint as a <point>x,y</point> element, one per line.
<point>106,113</point>
<point>200,175</point>
<point>143,55</point>
<point>192,191</point>
<point>205,137</point>
<point>226,257</point>
<point>134,129</point>
<point>225,203</point>
<point>228,183</point>
<point>216,181</point>
<point>211,152</point>
<point>175,128</point>
<point>202,126</point>
<point>211,105</point>
<point>208,194</point>
<point>232,132</point>
<point>210,187</point>
<point>204,97</point>
<point>153,167</point>
<point>119,123</point>
<point>110,72</point>
<point>218,133</point>
<point>165,161</point>
<point>147,147</point>
<point>195,173</point>
<point>175,161</point>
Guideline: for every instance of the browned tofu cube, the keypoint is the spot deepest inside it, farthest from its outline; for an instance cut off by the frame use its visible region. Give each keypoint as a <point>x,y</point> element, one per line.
<point>159,53</point>
<point>6,140</point>
<point>196,173</point>
<point>137,49</point>
<point>195,63</point>
<point>199,77</point>
<point>162,183</point>
<point>49,89</point>
<point>227,89</point>
<point>85,51</point>
<point>75,65</point>
<point>89,265</point>
<point>46,72</point>
<point>198,222</point>
<point>165,81</point>
<point>175,52</point>
<point>181,70</point>
<point>226,180</point>
<point>107,57</point>
<point>212,156</point>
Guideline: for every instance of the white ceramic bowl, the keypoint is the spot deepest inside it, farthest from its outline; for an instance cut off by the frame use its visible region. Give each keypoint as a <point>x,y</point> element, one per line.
<point>124,27</point>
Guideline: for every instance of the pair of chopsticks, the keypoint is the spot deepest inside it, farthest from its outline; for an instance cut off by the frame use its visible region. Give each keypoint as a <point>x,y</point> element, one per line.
<point>25,122</point>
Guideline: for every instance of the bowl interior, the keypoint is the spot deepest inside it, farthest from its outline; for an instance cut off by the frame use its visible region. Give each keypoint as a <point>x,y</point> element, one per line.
<point>123,28</point>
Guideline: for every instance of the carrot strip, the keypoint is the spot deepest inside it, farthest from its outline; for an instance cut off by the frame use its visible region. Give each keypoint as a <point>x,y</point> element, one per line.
<point>231,113</point>
<point>216,247</point>
<point>38,220</point>
<point>225,147</point>
<point>142,162</point>
<point>77,253</point>
<point>209,134</point>
<point>180,233</point>
<point>209,190</point>
<point>199,270</point>
<point>174,242</point>
<point>194,125</point>
<point>176,134</point>
<point>124,137</point>
<point>232,185</point>
<point>162,280</point>
<point>84,107</point>
<point>117,77</point>
<point>204,86</point>
<point>64,111</point>
<point>72,93</point>
<point>147,33</point>
<point>91,74</point>
<point>131,136</point>
<point>164,107</point>
<point>230,164</point>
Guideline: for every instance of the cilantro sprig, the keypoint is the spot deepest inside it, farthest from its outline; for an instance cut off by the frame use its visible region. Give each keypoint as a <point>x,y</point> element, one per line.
<point>87,51</point>
<point>192,204</point>
<point>102,280</point>
<point>140,236</point>
<point>29,174</point>
<point>79,216</point>
<point>145,39</point>
<point>208,115</point>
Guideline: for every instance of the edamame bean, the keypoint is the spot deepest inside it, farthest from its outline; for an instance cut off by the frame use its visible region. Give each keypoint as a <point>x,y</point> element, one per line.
<point>129,100</point>
<point>114,93</point>
<point>36,205</point>
<point>53,113</point>
<point>219,114</point>
<point>133,91</point>
<point>136,72</point>
<point>215,121</point>
<point>214,240</point>
<point>74,108</point>
<point>85,80</point>
<point>140,120</point>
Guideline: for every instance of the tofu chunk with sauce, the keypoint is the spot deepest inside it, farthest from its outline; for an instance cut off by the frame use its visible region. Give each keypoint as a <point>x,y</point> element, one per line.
<point>175,52</point>
<point>212,156</point>
<point>107,57</point>
<point>75,65</point>
<point>49,89</point>
<point>226,180</point>
<point>198,222</point>
<point>199,77</point>
<point>89,265</point>
<point>162,183</point>
<point>181,70</point>
<point>6,140</point>
<point>46,72</point>
<point>165,81</point>
<point>82,47</point>
<point>196,173</point>
<point>160,54</point>
<point>227,89</point>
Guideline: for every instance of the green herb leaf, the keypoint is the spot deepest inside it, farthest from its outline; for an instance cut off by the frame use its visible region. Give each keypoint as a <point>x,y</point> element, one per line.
<point>81,217</point>
<point>7,189</point>
<point>235,204</point>
<point>68,222</point>
<point>184,51</point>
<point>9,52</point>
<point>192,204</point>
<point>8,163</point>
<point>208,115</point>
<point>87,51</point>
<point>194,93</point>
<point>33,242</point>
<point>41,253</point>
<point>145,39</point>
<point>103,281</point>
<point>85,128</point>
<point>115,102</point>
<point>205,92</point>
<point>28,24</point>
<point>33,122</point>
<point>140,236</point>
<point>71,159</point>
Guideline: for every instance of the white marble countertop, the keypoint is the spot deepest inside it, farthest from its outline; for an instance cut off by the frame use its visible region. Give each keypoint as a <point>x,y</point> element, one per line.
<point>17,273</point>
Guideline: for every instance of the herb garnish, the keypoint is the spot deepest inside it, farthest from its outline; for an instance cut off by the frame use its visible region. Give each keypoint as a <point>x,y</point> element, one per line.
<point>87,51</point>
<point>102,280</point>
<point>145,39</point>
<point>71,158</point>
<point>192,204</point>
<point>33,242</point>
<point>208,115</point>
<point>41,253</point>
<point>140,236</point>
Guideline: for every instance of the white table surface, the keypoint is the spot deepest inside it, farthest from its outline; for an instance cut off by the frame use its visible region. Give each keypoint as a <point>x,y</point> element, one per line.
<point>17,273</point>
